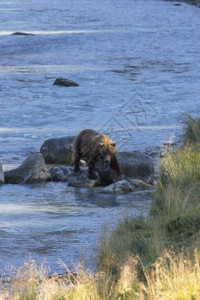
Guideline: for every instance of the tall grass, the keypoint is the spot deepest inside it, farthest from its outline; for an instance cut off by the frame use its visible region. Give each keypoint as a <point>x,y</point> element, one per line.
<point>173,278</point>
<point>178,190</point>
<point>32,283</point>
<point>191,130</point>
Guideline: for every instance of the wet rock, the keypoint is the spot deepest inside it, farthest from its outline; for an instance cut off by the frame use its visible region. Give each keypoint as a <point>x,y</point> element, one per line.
<point>81,179</point>
<point>21,33</point>
<point>60,173</point>
<point>32,170</point>
<point>140,184</point>
<point>74,179</point>
<point>65,82</point>
<point>1,174</point>
<point>58,150</point>
<point>106,174</point>
<point>137,165</point>
<point>122,186</point>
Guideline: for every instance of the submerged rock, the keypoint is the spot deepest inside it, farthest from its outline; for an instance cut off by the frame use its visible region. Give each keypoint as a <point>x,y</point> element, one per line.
<point>122,186</point>
<point>21,33</point>
<point>126,186</point>
<point>1,174</point>
<point>32,170</point>
<point>65,82</point>
<point>81,179</point>
<point>60,173</point>
<point>58,150</point>
<point>74,179</point>
<point>140,184</point>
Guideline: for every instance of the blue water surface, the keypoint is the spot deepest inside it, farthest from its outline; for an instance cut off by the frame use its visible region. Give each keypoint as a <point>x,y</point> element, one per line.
<point>137,64</point>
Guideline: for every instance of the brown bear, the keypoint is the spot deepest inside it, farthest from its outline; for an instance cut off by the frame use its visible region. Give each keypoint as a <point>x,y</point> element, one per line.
<point>92,147</point>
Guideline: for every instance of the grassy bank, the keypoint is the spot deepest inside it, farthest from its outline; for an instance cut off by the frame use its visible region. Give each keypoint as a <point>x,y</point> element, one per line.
<point>157,257</point>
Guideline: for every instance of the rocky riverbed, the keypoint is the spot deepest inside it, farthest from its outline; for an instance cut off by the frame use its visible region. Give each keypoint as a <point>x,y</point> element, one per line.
<point>54,162</point>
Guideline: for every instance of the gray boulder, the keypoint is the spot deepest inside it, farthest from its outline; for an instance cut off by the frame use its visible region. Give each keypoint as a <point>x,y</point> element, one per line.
<point>126,186</point>
<point>1,174</point>
<point>122,186</point>
<point>140,184</point>
<point>58,150</point>
<point>65,82</point>
<point>32,170</point>
<point>136,165</point>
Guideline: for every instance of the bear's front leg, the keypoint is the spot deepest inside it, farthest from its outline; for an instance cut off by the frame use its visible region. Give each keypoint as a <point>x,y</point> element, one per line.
<point>115,166</point>
<point>77,164</point>
<point>91,168</point>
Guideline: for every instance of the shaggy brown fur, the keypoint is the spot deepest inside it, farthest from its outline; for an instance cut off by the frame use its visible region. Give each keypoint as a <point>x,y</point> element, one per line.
<point>91,146</point>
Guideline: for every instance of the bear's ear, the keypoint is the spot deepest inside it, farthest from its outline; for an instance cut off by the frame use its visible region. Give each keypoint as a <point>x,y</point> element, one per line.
<point>113,144</point>
<point>101,144</point>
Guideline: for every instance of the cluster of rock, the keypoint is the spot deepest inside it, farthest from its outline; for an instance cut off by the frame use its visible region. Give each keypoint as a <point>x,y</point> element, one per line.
<point>54,162</point>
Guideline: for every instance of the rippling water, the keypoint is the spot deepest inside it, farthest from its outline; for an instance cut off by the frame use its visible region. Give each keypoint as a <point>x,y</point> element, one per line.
<point>138,67</point>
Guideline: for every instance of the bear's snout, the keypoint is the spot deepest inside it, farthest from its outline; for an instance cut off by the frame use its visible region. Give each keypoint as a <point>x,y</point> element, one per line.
<point>107,158</point>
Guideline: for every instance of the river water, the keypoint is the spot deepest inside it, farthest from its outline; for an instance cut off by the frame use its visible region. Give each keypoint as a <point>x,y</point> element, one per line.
<point>138,68</point>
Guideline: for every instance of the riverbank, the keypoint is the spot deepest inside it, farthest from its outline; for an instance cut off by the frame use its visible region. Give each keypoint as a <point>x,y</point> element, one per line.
<point>144,258</point>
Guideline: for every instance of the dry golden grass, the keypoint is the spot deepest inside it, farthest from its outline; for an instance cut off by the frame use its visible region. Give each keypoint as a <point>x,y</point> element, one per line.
<point>32,283</point>
<point>173,277</point>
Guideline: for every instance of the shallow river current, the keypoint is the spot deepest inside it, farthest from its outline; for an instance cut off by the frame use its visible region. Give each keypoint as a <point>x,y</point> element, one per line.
<point>138,68</point>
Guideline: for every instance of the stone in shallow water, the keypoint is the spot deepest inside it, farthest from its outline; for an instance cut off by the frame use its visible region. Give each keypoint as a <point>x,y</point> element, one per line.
<point>74,179</point>
<point>122,186</point>
<point>32,170</point>
<point>65,82</point>
<point>58,150</point>
<point>22,33</point>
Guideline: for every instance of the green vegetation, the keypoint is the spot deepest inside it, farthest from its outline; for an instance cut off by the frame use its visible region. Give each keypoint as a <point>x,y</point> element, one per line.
<point>192,130</point>
<point>157,257</point>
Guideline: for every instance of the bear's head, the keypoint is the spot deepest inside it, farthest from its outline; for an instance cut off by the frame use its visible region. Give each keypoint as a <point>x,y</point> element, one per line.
<point>105,148</point>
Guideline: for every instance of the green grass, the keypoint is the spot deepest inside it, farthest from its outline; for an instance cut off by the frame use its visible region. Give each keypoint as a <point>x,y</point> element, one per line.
<point>178,186</point>
<point>191,130</point>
